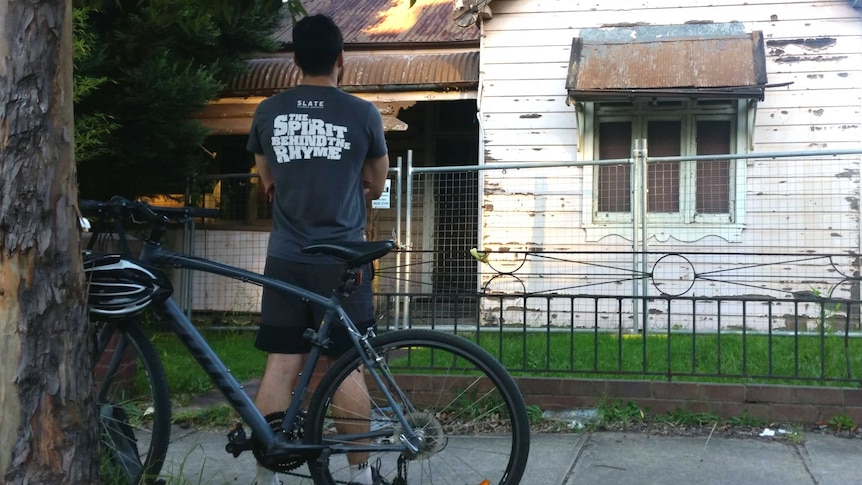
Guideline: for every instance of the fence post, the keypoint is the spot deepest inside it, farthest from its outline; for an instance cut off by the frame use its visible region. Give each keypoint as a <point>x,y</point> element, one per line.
<point>640,234</point>
<point>408,245</point>
<point>398,245</point>
<point>188,248</point>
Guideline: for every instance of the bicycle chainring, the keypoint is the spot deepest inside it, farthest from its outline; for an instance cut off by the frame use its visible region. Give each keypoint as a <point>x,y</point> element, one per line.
<point>282,464</point>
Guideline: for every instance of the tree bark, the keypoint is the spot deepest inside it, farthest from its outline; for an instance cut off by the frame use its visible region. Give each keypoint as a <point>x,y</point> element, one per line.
<point>48,427</point>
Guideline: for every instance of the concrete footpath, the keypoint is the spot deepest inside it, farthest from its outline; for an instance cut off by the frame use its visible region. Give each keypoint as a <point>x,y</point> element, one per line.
<point>198,458</point>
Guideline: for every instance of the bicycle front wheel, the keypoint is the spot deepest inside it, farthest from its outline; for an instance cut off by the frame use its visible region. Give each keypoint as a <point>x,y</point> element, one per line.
<point>134,405</point>
<point>460,400</point>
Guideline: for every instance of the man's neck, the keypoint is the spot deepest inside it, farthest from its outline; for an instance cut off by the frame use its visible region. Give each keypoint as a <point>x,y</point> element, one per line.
<point>325,81</point>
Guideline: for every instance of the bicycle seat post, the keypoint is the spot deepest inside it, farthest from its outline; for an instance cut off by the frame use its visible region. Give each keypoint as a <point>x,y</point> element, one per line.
<point>349,282</point>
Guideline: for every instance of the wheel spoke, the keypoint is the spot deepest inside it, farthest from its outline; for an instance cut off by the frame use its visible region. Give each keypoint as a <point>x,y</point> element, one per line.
<point>459,400</point>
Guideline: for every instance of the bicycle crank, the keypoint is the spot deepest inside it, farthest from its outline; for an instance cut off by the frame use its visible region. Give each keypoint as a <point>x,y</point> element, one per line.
<point>284,463</point>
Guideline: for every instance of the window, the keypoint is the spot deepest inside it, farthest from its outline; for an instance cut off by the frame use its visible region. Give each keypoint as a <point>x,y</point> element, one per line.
<point>687,200</point>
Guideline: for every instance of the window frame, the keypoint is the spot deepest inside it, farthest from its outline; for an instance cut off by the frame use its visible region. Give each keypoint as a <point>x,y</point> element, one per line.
<point>686,225</point>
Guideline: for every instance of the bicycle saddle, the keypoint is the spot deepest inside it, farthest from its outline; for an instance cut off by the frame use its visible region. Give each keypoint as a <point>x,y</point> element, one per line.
<point>354,253</point>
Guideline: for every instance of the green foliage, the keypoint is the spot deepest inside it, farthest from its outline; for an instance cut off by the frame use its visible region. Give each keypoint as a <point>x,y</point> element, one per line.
<point>297,11</point>
<point>92,130</point>
<point>682,417</point>
<point>185,377</point>
<point>746,420</point>
<point>617,412</point>
<point>142,69</point>
<point>534,413</point>
<point>841,422</point>
<point>795,434</point>
<point>216,416</point>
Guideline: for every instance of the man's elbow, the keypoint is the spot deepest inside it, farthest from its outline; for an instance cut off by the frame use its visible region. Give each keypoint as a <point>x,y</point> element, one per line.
<point>373,193</point>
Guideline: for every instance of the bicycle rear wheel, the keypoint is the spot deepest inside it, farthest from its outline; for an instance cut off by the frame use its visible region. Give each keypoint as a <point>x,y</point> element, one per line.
<point>134,405</point>
<point>467,408</point>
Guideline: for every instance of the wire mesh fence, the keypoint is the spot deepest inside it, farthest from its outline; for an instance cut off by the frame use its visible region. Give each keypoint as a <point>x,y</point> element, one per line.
<point>760,249</point>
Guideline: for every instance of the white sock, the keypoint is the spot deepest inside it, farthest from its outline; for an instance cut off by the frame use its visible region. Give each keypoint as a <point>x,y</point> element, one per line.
<point>361,474</point>
<point>265,477</point>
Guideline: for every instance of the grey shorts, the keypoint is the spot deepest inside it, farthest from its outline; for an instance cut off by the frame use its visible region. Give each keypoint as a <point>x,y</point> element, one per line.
<point>284,317</point>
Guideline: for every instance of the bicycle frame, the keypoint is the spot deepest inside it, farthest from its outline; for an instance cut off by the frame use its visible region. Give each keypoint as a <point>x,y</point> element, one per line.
<point>192,339</point>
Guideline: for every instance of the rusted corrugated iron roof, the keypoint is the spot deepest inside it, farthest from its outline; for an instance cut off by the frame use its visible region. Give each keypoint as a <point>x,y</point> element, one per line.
<point>366,72</point>
<point>701,60</point>
<point>388,22</point>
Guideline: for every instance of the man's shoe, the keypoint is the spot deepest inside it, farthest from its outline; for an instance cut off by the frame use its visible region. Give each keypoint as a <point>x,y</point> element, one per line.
<point>376,479</point>
<point>267,480</point>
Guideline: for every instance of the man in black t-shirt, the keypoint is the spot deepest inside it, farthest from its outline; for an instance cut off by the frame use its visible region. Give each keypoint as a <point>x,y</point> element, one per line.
<point>320,153</point>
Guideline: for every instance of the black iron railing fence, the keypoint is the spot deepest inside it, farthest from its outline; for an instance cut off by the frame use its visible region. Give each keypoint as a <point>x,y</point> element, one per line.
<point>742,339</point>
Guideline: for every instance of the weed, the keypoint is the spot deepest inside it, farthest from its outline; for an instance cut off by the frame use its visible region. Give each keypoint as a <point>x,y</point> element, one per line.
<point>681,417</point>
<point>213,417</point>
<point>182,475</point>
<point>534,413</point>
<point>795,435</point>
<point>746,420</point>
<point>841,422</point>
<point>470,404</point>
<point>616,412</point>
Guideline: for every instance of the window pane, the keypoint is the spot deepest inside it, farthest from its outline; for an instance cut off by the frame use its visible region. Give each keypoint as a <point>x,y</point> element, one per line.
<point>614,191</point>
<point>713,176</point>
<point>663,140</point>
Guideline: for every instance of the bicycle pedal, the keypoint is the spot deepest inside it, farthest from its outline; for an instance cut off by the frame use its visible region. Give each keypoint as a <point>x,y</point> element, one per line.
<point>237,441</point>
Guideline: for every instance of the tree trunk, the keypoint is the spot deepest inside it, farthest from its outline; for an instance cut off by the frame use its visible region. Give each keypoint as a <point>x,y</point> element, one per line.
<point>48,427</point>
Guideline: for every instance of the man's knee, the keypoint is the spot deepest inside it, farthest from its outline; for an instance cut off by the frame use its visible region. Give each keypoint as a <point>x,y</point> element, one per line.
<point>281,363</point>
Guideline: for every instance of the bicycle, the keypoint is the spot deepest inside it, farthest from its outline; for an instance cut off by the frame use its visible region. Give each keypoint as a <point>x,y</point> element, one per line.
<point>443,410</point>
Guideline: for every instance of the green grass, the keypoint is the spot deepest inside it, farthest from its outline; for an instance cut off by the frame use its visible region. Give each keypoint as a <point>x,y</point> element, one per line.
<point>185,377</point>
<point>709,358</point>
<point>213,417</point>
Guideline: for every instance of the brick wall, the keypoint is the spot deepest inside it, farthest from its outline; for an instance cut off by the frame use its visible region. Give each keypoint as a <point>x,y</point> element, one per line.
<point>773,403</point>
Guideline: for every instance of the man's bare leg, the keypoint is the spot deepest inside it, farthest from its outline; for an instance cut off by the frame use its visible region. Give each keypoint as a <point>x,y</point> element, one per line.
<point>351,401</point>
<point>273,395</point>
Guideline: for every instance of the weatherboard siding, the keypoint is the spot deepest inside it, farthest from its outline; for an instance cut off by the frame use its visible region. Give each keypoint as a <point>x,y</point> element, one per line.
<point>791,205</point>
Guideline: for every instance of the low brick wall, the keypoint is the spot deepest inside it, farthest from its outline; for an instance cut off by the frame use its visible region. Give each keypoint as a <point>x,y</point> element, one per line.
<point>773,403</point>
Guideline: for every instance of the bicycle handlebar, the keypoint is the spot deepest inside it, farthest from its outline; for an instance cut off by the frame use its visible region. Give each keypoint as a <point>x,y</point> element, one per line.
<point>120,206</point>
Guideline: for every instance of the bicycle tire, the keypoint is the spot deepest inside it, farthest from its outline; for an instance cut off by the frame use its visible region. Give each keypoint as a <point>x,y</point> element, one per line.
<point>469,405</point>
<point>134,405</point>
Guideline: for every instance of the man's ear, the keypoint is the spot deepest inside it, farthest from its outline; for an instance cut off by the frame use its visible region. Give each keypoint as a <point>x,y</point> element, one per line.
<point>340,61</point>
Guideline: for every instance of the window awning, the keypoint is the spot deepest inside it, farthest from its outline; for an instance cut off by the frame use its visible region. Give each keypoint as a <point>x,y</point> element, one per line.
<point>667,61</point>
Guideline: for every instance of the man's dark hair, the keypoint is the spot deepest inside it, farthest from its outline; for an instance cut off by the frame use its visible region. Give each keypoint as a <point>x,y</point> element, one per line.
<point>317,41</point>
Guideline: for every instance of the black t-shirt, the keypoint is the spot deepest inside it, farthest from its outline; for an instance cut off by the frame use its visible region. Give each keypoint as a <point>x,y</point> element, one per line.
<point>316,140</point>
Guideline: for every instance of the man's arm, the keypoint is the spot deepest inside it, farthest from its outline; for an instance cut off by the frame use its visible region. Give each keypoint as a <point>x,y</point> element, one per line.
<point>265,175</point>
<point>374,172</point>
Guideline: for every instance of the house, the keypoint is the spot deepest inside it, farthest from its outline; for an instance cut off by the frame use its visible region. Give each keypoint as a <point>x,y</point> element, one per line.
<point>615,163</point>
<point>581,83</point>
<point>414,63</point>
